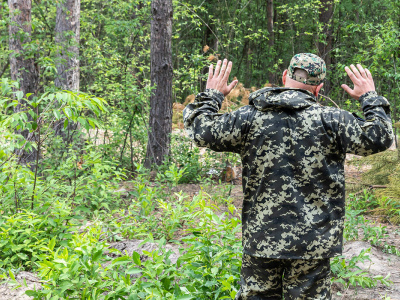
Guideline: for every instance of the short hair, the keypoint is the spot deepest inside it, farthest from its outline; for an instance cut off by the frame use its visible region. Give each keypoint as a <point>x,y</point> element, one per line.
<point>301,72</point>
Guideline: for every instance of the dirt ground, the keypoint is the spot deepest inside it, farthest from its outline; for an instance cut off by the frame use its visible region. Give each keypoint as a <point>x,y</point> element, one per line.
<point>7,292</point>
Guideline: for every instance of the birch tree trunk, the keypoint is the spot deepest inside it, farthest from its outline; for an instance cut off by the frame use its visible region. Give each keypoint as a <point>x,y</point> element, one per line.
<point>160,122</point>
<point>22,68</point>
<point>67,33</point>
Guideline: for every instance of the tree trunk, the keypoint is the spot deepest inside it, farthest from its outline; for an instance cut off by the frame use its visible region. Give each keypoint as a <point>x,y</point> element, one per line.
<point>271,41</point>
<point>67,23</point>
<point>23,69</point>
<point>160,121</point>
<point>67,33</point>
<point>325,43</point>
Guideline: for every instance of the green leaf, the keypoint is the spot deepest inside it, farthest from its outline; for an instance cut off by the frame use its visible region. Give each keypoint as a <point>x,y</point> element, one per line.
<point>134,270</point>
<point>65,123</point>
<point>185,297</point>
<point>23,256</point>
<point>19,94</point>
<point>11,275</point>
<point>97,255</point>
<point>52,243</point>
<point>121,260</point>
<point>57,114</point>
<point>30,293</point>
<point>68,112</point>
<point>136,258</point>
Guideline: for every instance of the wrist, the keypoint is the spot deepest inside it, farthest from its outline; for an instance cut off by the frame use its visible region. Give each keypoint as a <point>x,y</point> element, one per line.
<point>369,93</point>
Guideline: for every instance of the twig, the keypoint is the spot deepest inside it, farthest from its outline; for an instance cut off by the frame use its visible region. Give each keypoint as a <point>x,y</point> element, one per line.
<point>5,68</point>
<point>330,100</point>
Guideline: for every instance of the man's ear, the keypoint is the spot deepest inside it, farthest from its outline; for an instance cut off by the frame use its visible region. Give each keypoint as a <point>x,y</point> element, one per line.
<point>284,77</point>
<point>318,89</point>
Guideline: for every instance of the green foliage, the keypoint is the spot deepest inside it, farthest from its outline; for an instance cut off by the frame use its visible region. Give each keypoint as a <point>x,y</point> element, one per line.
<point>25,236</point>
<point>355,222</point>
<point>349,274</point>
<point>209,266</point>
<point>178,214</point>
<point>187,156</point>
<point>365,202</point>
<point>73,270</point>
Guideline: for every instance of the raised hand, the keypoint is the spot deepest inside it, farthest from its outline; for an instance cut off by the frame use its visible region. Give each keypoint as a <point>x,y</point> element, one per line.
<point>218,80</point>
<point>362,80</point>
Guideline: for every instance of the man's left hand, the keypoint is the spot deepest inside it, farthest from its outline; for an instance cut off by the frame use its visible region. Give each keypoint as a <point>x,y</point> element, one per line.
<point>218,80</point>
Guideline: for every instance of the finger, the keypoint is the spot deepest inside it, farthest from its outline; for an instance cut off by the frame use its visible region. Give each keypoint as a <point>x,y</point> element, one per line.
<point>347,89</point>
<point>362,71</point>
<point>216,73</point>
<point>232,85</point>
<point>227,72</point>
<point>355,71</point>
<point>222,73</point>
<point>369,75</point>
<point>351,74</point>
<point>210,73</point>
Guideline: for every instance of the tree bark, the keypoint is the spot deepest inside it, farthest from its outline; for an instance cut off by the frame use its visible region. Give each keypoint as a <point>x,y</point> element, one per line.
<point>160,122</point>
<point>271,41</point>
<point>67,40</point>
<point>325,43</point>
<point>22,68</point>
<point>67,32</point>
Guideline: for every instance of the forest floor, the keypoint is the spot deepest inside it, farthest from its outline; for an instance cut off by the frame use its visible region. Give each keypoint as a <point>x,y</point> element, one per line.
<point>379,263</point>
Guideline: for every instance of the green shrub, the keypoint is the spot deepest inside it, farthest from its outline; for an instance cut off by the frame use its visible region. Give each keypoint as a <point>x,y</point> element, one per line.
<point>23,236</point>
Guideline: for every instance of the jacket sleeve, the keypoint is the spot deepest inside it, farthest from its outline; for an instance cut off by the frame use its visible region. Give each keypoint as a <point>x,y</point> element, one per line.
<point>219,132</point>
<point>373,135</point>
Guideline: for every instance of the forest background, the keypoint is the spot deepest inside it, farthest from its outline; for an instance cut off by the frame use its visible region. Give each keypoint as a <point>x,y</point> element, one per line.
<point>90,93</point>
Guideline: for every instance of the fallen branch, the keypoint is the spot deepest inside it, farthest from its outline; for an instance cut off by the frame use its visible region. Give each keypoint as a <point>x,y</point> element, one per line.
<point>370,186</point>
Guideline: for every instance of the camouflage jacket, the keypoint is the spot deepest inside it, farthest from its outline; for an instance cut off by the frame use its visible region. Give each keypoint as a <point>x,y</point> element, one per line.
<point>293,153</point>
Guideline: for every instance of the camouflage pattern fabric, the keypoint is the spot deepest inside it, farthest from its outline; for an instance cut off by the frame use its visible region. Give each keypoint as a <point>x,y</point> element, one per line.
<point>313,64</point>
<point>293,153</point>
<point>269,278</point>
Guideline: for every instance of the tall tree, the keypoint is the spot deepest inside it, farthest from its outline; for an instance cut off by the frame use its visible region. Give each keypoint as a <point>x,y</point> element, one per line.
<point>271,39</point>
<point>160,121</point>
<point>326,39</point>
<point>67,40</point>
<point>22,66</point>
<point>67,33</point>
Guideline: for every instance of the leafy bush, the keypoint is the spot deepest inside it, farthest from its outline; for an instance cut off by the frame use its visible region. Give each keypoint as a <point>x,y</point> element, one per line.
<point>348,273</point>
<point>209,266</point>
<point>23,236</point>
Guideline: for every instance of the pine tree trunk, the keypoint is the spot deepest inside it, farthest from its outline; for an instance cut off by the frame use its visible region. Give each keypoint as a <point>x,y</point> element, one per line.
<point>160,122</point>
<point>23,69</point>
<point>325,46</point>
<point>67,33</point>
<point>271,41</point>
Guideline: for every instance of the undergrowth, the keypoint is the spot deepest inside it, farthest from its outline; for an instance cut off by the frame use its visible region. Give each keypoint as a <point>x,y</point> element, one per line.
<point>60,216</point>
<point>76,261</point>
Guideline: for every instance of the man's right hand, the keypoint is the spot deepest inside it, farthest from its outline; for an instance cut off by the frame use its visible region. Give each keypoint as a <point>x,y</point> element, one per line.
<point>219,79</point>
<point>362,80</point>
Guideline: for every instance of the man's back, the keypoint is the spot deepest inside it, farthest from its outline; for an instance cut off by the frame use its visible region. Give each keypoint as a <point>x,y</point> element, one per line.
<point>292,152</point>
<point>293,174</point>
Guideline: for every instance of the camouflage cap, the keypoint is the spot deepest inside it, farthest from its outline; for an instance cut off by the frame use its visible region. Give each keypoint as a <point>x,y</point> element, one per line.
<point>312,64</point>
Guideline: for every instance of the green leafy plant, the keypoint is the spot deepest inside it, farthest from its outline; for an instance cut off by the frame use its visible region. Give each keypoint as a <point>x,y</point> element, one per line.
<point>23,236</point>
<point>348,273</point>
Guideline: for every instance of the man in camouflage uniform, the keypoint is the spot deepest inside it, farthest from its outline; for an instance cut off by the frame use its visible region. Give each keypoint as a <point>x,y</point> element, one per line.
<point>293,152</point>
